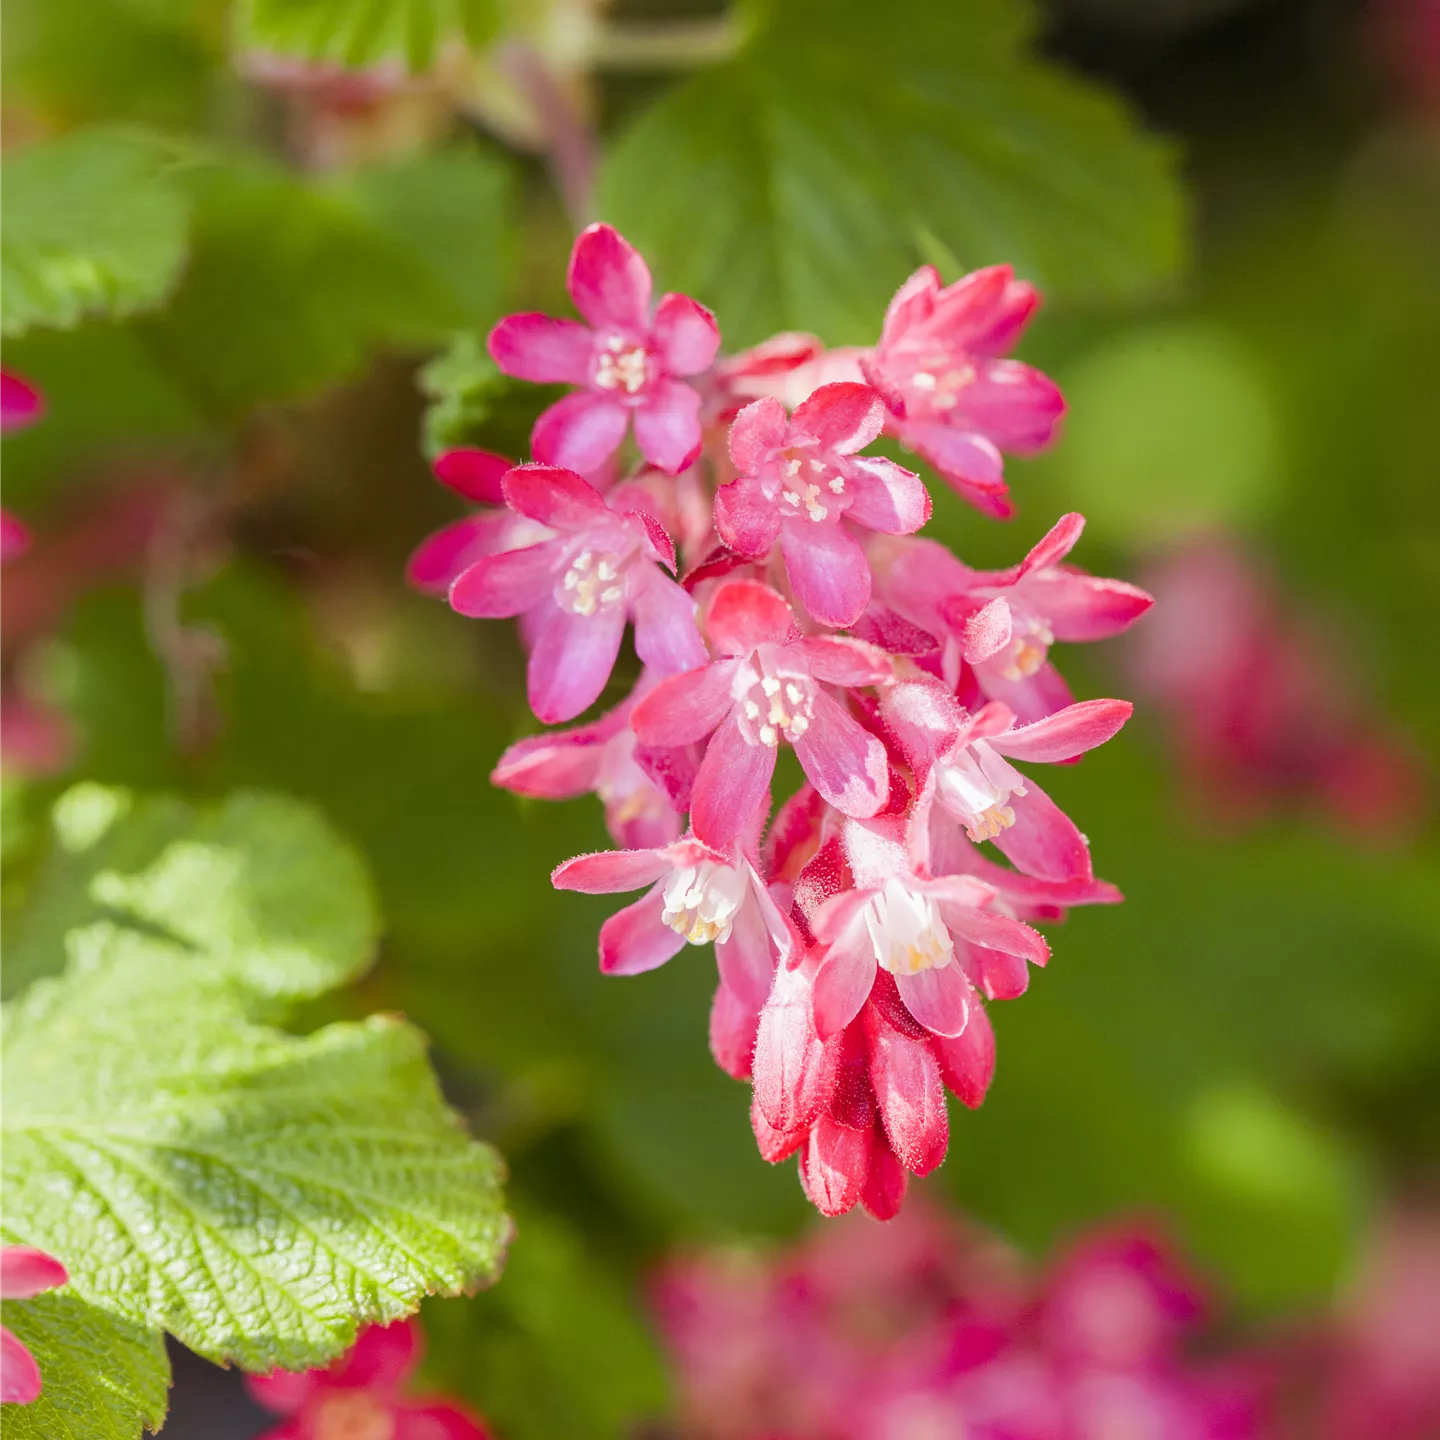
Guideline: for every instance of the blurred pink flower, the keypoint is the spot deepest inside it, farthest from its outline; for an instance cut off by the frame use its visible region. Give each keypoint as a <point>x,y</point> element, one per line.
<point>24,1272</point>
<point>358,1397</point>
<point>632,362</point>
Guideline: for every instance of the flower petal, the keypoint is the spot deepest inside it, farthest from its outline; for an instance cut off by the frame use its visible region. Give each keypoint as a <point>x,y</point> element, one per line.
<point>748,521</point>
<point>844,762</point>
<point>733,780</point>
<point>885,1184</point>
<point>844,980</point>
<point>609,281</point>
<point>685,707</point>
<point>845,416</point>
<point>938,998</point>
<point>606,872</point>
<point>498,586</point>
<point>968,462</point>
<point>542,349</point>
<point>572,660</point>
<point>554,766</point>
<point>1065,734</point>
<point>21,403</point>
<point>834,1164</point>
<point>828,570</point>
<point>760,428</point>
<point>554,496</point>
<point>911,305</point>
<point>987,630</point>
<point>746,960</point>
<point>431,1421</point>
<point>666,637</point>
<point>733,1024</point>
<point>667,425</point>
<point>636,939</point>
<point>774,1145</point>
<point>885,496</point>
<point>839,660</point>
<point>580,432</point>
<point>26,1272</point>
<point>685,334</point>
<point>744,613</point>
<point>1013,405</point>
<point>475,474</point>
<point>20,1382</point>
<point>1054,545</point>
<point>1044,840</point>
<point>967,1061</point>
<point>789,1066</point>
<point>1084,607</point>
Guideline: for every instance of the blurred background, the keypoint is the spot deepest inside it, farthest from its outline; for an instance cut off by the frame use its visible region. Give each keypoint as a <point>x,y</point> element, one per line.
<point>309,216</point>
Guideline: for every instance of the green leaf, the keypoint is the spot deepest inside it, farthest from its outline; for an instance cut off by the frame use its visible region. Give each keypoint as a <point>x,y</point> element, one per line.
<point>257,1194</point>
<point>106,1378</point>
<point>305,280</point>
<point>798,185</point>
<point>95,224</point>
<point>463,385</point>
<point>361,32</point>
<point>259,887</point>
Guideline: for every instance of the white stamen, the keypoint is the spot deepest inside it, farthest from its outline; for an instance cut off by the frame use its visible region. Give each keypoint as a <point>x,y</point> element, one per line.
<point>907,932</point>
<point>701,901</point>
<point>974,786</point>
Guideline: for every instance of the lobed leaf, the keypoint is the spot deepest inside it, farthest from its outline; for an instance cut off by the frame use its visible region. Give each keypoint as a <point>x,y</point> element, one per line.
<point>95,224</point>
<point>106,1378</point>
<point>797,185</point>
<point>257,1194</point>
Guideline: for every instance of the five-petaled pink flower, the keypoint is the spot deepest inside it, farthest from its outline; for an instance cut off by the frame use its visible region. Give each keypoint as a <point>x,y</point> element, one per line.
<point>629,360</point>
<point>24,1272</point>
<point>799,478</point>
<point>962,762</point>
<point>951,399</point>
<point>598,567</point>
<point>359,1395</point>
<point>644,789</point>
<point>768,685</point>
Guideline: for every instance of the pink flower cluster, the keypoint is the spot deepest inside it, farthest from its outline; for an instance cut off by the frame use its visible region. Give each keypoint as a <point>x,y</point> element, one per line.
<point>778,595</point>
<point>1261,713</point>
<point>919,1329</point>
<point>360,1395</point>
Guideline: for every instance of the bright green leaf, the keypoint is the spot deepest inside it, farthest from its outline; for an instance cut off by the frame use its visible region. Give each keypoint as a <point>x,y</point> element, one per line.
<point>259,886</point>
<point>106,1378</point>
<point>798,185</point>
<point>95,224</point>
<point>257,1194</point>
<point>361,32</point>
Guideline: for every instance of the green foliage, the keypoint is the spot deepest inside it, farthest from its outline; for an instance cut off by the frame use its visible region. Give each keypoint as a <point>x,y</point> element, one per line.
<point>361,32</point>
<point>95,224</point>
<point>257,1194</point>
<point>462,384</point>
<point>258,886</point>
<point>304,280</point>
<point>557,1350</point>
<point>796,186</point>
<point>105,1377</point>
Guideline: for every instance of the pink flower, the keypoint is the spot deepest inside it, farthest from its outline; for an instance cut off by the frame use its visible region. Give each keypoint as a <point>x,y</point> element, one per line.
<point>478,476</point>
<point>996,627</point>
<point>960,762</point>
<point>24,1273</point>
<point>950,398</point>
<point>359,1395</point>
<point>800,478</point>
<point>769,685</point>
<point>644,789</point>
<point>577,588</point>
<point>21,404</point>
<point>628,359</point>
<point>14,537</point>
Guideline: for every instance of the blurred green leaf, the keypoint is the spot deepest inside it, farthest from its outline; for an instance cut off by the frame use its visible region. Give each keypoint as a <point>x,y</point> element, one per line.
<point>259,886</point>
<point>95,224</point>
<point>106,1378</point>
<point>462,384</point>
<point>558,1349</point>
<point>302,281</point>
<point>798,185</point>
<point>361,32</point>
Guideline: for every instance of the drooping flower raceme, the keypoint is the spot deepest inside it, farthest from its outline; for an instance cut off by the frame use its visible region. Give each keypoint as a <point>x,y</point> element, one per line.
<point>632,362</point>
<point>861,931</point>
<point>24,1273</point>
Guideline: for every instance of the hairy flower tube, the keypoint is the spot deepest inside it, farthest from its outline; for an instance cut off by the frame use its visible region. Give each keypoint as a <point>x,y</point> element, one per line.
<point>780,597</point>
